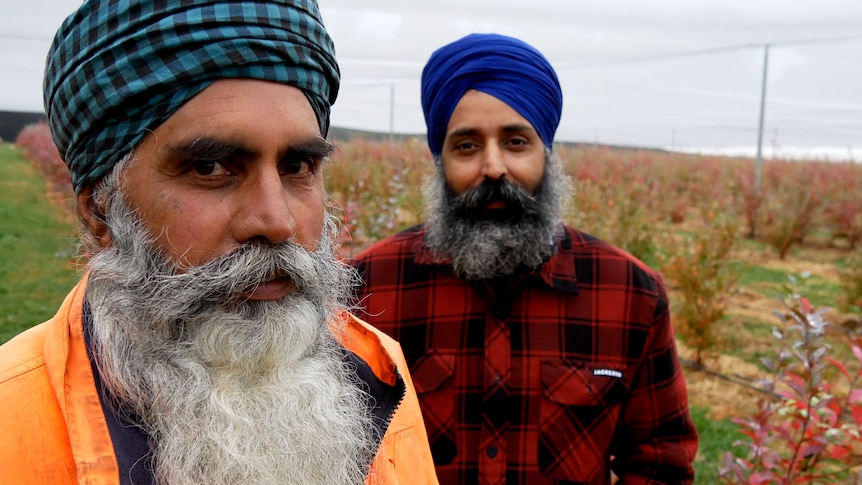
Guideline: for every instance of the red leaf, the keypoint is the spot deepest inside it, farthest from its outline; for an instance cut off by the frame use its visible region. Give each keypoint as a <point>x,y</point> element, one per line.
<point>832,406</point>
<point>839,366</point>
<point>839,452</point>
<point>810,449</point>
<point>761,478</point>
<point>806,305</point>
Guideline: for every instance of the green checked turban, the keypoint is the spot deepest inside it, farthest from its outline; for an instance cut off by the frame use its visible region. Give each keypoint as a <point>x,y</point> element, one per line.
<point>118,68</point>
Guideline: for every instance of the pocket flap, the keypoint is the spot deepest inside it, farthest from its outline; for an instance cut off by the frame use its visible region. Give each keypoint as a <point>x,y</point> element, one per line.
<point>576,385</point>
<point>432,370</point>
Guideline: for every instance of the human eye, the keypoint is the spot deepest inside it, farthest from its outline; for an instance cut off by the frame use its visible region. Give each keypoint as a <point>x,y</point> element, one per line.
<point>518,142</point>
<point>207,168</point>
<point>465,145</point>
<point>304,159</point>
<point>299,166</point>
<point>206,158</point>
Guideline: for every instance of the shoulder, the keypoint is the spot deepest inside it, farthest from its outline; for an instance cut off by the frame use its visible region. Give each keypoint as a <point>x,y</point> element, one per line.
<point>34,439</point>
<point>377,349</point>
<point>28,353</point>
<point>23,354</point>
<point>368,332</point>
<point>582,242</point>
<point>598,261</point>
<point>403,244</point>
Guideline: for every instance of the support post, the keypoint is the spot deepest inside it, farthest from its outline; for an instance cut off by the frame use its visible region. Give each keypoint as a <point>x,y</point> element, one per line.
<point>759,160</point>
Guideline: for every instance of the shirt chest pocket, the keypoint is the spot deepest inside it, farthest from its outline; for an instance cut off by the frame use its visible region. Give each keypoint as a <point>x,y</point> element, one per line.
<point>434,379</point>
<point>579,412</point>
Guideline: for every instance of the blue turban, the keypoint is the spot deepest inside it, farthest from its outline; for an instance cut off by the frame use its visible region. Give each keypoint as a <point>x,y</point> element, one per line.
<point>504,67</point>
<point>117,69</point>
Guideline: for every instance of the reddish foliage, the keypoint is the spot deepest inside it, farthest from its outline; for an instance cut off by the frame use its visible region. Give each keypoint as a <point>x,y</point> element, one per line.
<point>705,273</point>
<point>808,433</point>
<point>38,146</point>
<point>376,189</point>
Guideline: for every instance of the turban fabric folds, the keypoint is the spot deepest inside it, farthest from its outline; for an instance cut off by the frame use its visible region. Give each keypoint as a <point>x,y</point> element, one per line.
<point>504,67</point>
<point>117,69</point>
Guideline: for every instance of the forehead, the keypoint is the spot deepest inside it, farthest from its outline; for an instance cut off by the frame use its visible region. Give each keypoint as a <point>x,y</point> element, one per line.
<point>477,110</point>
<point>240,107</point>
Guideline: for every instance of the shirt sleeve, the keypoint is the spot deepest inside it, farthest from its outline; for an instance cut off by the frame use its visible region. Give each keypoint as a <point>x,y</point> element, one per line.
<point>657,440</point>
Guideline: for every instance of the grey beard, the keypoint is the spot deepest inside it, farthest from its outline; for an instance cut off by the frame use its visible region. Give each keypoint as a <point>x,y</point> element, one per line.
<point>483,247</point>
<point>230,391</point>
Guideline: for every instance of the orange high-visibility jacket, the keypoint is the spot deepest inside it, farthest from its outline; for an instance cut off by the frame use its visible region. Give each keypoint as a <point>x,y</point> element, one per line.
<point>53,430</point>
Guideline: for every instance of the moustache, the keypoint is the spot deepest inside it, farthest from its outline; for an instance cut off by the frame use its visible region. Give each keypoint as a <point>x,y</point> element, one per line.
<point>473,201</point>
<point>228,278</point>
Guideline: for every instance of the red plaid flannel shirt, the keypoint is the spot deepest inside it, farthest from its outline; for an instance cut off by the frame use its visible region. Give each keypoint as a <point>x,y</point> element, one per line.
<point>559,376</point>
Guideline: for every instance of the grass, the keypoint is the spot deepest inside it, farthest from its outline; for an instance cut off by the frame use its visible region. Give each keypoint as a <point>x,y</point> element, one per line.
<point>36,247</point>
<point>762,276</point>
<point>770,282</point>
<point>749,340</point>
<point>716,438</point>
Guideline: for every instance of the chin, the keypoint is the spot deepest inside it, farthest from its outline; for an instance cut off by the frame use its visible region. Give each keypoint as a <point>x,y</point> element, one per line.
<point>507,214</point>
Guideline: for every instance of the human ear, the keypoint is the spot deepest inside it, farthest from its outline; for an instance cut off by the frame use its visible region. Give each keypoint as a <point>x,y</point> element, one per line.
<point>93,218</point>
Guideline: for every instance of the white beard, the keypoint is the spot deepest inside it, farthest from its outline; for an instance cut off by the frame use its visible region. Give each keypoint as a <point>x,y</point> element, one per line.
<point>232,393</point>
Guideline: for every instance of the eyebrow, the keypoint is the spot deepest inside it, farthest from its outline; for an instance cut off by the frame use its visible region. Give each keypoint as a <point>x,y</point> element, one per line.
<point>513,128</point>
<point>209,148</point>
<point>317,148</point>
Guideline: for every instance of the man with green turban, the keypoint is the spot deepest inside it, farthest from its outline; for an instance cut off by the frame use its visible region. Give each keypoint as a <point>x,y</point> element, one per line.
<point>208,341</point>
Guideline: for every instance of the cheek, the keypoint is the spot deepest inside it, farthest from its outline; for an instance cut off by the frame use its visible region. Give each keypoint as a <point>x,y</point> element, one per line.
<point>462,176</point>
<point>189,231</point>
<point>309,215</point>
<point>528,172</point>
<point>529,179</point>
<point>158,215</point>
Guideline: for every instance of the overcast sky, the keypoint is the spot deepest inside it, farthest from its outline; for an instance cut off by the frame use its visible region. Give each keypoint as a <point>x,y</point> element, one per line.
<point>654,73</point>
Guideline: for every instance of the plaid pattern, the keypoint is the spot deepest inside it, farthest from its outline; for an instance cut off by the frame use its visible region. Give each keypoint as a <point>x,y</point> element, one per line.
<point>540,379</point>
<point>118,68</point>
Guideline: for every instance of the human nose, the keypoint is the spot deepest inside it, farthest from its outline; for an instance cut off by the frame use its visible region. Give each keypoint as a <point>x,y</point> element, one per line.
<point>493,164</point>
<point>266,212</point>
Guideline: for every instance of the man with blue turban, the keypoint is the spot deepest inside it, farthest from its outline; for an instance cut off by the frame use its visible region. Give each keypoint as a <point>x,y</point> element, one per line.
<point>208,341</point>
<point>541,355</point>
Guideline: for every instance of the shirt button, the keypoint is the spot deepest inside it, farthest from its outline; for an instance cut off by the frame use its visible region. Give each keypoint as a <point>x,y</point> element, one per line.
<point>492,451</point>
